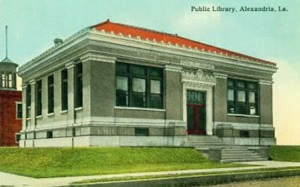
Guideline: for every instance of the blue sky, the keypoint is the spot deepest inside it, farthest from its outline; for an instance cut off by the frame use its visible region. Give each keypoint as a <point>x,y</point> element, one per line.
<point>275,36</point>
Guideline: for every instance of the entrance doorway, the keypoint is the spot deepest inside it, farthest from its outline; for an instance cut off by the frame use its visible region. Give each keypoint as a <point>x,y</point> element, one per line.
<point>196,112</point>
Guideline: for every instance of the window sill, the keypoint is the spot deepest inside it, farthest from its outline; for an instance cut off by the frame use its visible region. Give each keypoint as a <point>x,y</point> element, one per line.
<point>64,111</point>
<point>243,115</point>
<point>137,108</point>
<point>50,114</point>
<point>78,109</point>
<point>28,119</point>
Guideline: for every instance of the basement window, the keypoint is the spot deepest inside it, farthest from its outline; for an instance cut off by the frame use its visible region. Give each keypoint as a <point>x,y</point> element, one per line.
<point>244,134</point>
<point>141,131</point>
<point>18,137</point>
<point>49,134</point>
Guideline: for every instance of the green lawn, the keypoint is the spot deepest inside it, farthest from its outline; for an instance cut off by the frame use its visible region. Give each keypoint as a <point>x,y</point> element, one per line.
<point>285,153</point>
<point>55,162</point>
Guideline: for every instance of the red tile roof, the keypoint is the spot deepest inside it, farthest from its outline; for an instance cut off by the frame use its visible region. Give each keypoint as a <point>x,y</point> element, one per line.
<point>146,34</point>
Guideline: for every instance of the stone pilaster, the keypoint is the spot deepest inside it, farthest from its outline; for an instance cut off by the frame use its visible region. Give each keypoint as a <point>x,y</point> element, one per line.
<point>71,102</point>
<point>32,110</point>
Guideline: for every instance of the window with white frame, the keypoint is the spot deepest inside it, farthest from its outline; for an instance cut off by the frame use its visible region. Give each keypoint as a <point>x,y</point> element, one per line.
<point>139,86</point>
<point>242,97</point>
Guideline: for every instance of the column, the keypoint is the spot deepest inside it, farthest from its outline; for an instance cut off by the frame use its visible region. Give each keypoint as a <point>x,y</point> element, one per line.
<point>220,98</point>
<point>32,108</point>
<point>24,118</point>
<point>71,113</point>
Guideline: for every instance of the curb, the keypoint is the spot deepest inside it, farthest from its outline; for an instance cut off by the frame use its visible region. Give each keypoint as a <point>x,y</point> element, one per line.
<point>209,179</point>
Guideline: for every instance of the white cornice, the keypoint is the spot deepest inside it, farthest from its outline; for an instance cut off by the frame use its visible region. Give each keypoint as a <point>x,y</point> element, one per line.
<point>70,65</point>
<point>96,57</point>
<point>202,58</point>
<point>192,64</point>
<point>179,50</point>
<point>265,82</point>
<point>220,75</point>
<point>173,68</point>
<point>32,81</point>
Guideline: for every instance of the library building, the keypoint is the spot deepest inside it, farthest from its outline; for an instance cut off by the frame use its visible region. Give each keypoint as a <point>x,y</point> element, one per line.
<point>113,84</point>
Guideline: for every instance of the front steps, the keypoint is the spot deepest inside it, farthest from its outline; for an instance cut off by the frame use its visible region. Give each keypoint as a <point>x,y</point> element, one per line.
<point>214,148</point>
<point>239,154</point>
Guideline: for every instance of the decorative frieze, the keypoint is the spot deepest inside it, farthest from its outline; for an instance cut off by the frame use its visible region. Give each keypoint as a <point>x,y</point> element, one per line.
<point>198,78</point>
<point>197,64</point>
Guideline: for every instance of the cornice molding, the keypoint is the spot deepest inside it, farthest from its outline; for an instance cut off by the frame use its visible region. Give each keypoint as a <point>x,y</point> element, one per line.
<point>180,50</point>
<point>173,68</point>
<point>193,64</point>
<point>95,57</point>
<point>70,65</point>
<point>265,82</point>
<point>220,75</point>
<point>32,81</point>
<point>50,59</point>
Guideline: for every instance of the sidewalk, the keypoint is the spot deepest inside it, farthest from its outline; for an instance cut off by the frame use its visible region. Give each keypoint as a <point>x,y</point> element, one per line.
<point>16,180</point>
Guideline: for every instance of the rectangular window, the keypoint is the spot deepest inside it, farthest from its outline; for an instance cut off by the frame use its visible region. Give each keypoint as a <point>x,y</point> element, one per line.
<point>50,94</point>
<point>138,92</point>
<point>28,101</point>
<point>19,111</point>
<point>10,80</point>
<point>141,131</point>
<point>17,137</point>
<point>78,85</point>
<point>64,89</point>
<point>39,98</point>
<point>242,97</point>
<point>122,91</point>
<point>4,80</point>
<point>139,86</point>
<point>49,134</point>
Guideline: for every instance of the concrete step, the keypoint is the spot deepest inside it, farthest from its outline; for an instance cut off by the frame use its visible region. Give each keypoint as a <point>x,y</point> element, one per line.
<point>242,159</point>
<point>216,149</point>
<point>204,141</point>
<point>239,154</point>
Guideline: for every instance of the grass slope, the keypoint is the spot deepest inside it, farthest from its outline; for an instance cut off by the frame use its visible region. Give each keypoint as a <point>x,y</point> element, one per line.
<point>285,153</point>
<point>56,162</point>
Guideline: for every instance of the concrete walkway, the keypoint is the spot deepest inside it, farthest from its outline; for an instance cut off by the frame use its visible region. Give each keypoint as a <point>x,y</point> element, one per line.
<point>16,180</point>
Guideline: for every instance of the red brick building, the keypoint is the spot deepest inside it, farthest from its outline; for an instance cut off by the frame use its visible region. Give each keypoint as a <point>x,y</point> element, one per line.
<point>10,104</point>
